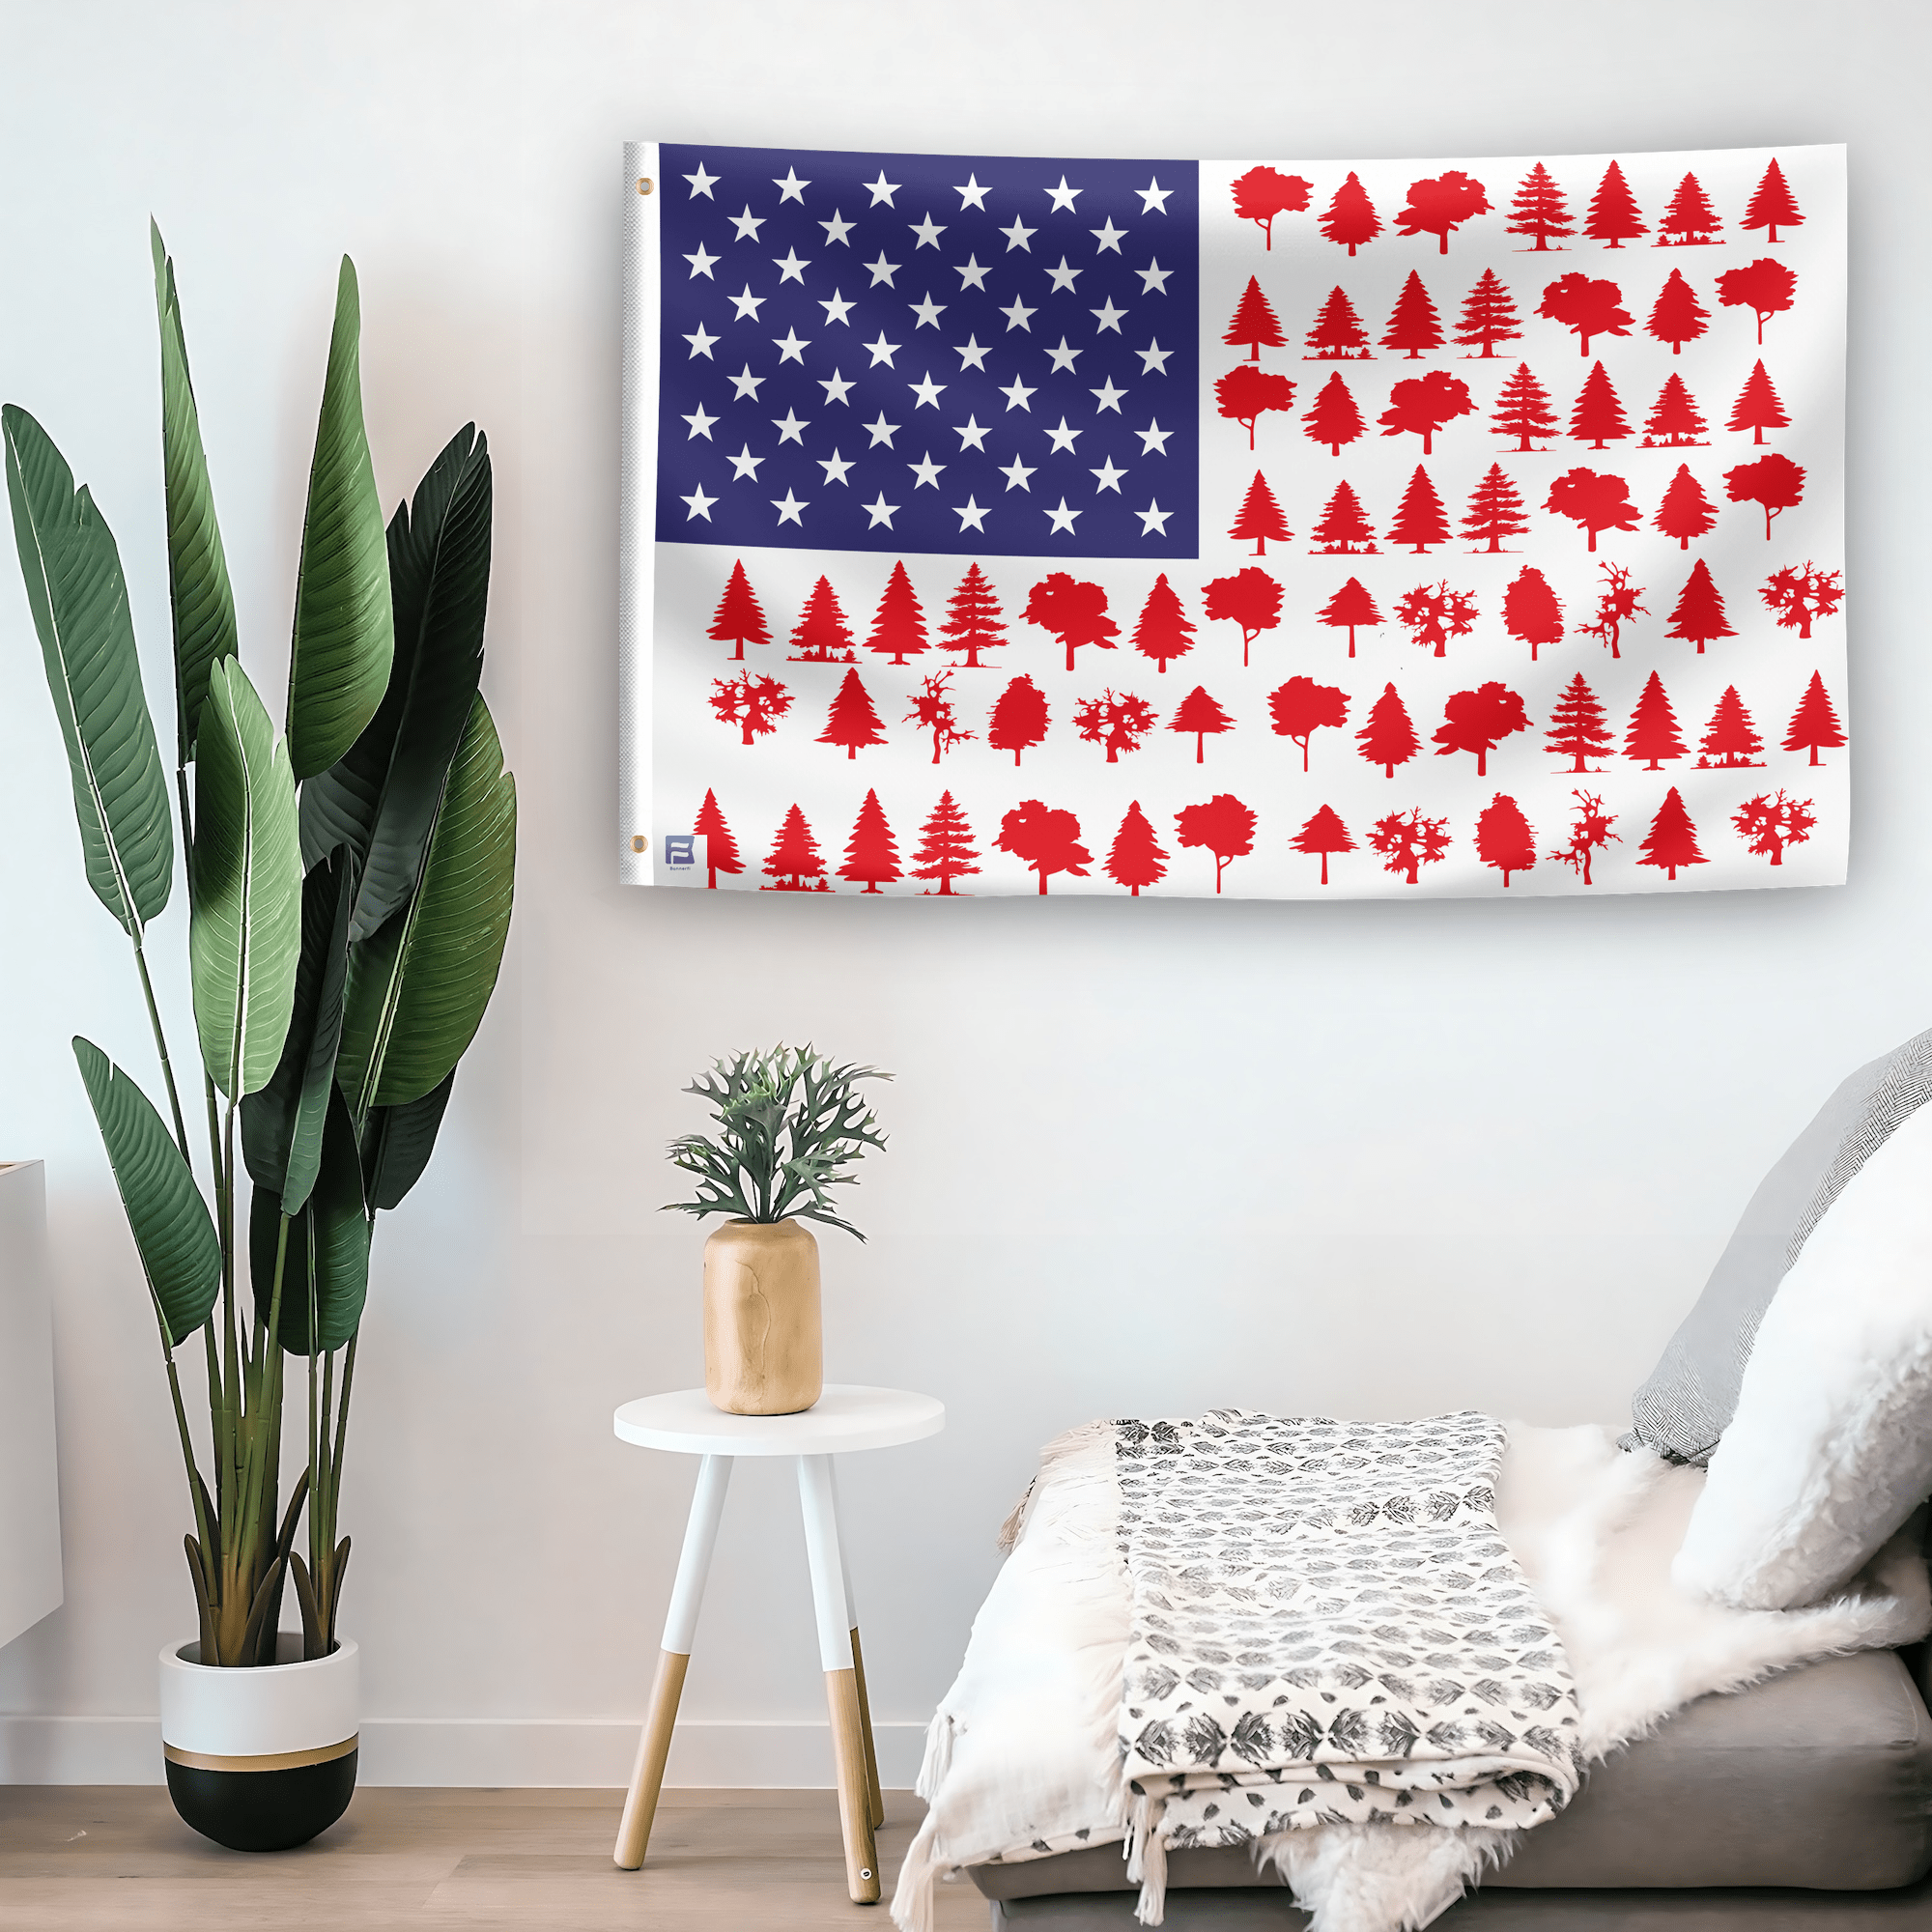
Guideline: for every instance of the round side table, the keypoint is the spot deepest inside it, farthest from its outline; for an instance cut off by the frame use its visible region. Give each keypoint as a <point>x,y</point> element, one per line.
<point>843,1420</point>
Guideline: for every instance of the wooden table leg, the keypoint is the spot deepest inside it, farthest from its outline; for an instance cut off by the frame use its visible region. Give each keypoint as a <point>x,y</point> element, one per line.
<point>877,1796</point>
<point>694,1565</point>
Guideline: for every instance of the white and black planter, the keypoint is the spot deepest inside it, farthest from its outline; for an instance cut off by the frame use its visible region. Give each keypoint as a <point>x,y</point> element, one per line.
<point>261,1759</point>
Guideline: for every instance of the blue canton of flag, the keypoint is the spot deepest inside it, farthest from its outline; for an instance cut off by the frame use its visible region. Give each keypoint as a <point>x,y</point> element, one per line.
<point>929,353</point>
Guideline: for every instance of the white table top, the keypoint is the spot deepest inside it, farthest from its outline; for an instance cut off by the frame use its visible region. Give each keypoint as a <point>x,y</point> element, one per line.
<point>844,1418</point>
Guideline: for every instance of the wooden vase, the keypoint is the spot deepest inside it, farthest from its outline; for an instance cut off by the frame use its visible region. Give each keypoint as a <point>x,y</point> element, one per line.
<point>764,1345</point>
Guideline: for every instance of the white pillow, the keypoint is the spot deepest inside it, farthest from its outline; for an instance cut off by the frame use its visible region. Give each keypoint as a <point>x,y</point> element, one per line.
<point>1830,1448</point>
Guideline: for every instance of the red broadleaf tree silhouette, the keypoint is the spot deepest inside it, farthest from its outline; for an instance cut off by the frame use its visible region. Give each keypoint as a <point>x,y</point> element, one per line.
<point>1489,315</point>
<point>1135,859</point>
<point>1116,719</point>
<point>946,850</point>
<point>1673,839</point>
<point>899,624</point>
<point>1224,825</point>
<point>1531,610</point>
<point>1504,838</point>
<point>1773,483</point>
<point>1045,840</point>
<point>1323,834</point>
<point>1351,218</point>
<point>1677,317</point>
<point>1616,605</point>
<point>974,622</point>
<point>1301,707</point>
<point>1523,409</point>
<point>1259,521</point>
<point>1675,421</point>
<point>1408,841</point>
<point>1814,724</point>
<point>1768,825</point>
<point>1344,529</point>
<point>871,853</point>
<point>1597,501</point>
<point>1653,735</point>
<point>932,711</point>
<point>739,618</point>
<point>1689,221</point>
<point>1250,598</point>
<point>721,849</point>
<point>1730,741</point>
<point>1698,615</point>
<point>1578,728</point>
<point>1766,287</point>
<point>1245,393</point>
<point>1433,615</point>
<point>1598,418</point>
<point>1798,596</point>
<point>753,703</point>
<point>1757,407</point>
<point>821,634</point>
<point>1338,334</point>
<point>1441,205</point>
<point>852,721</point>
<point>1199,715</point>
<point>1589,307</point>
<point>1019,718</point>
<point>1414,325</point>
<point>1685,511</point>
<point>1495,511</point>
<point>1074,613</point>
<point>1334,418</point>
<point>1254,325</point>
<point>1478,720</point>
<point>1351,606</point>
<point>1771,205</point>
<point>1613,217</point>
<point>1263,193</point>
<point>1163,631</point>
<point>794,861</point>
<point>1540,209</point>
<point>1422,404</point>
<point>1419,518</point>
<point>1388,739</point>
<point>1589,832</point>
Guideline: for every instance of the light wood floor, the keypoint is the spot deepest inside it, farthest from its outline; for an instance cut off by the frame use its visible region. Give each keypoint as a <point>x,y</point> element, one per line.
<point>77,1859</point>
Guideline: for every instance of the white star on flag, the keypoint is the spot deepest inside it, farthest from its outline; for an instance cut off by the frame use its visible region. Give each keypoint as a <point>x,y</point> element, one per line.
<point>928,311</point>
<point>882,432</point>
<point>1063,278</point>
<point>1063,437</point>
<point>1016,316</point>
<point>1016,393</point>
<point>971,355</point>
<point>1108,235</point>
<point>929,232</point>
<point>700,423</point>
<point>972,196</point>
<point>836,229</point>
<point>747,224</point>
<point>970,274</point>
<point>838,309</point>
<point>745,465</point>
<point>928,391</point>
<point>746,384</point>
<point>1110,397</point>
<point>1153,277</point>
<point>788,507</point>
<point>882,350</point>
<point>1107,316</point>
<point>1110,477</point>
<point>790,347</point>
<point>835,389</point>
<point>1064,197</point>
<point>1153,518</point>
<point>1063,357</point>
<point>925,472</point>
<point>1153,438</point>
<point>971,516</point>
<point>702,263</point>
<point>1016,473</point>
<point>1153,358</point>
<point>698,503</point>
<point>1154,201</point>
<point>971,436</point>
<point>700,340</point>
<point>882,270</point>
<point>793,190</point>
<point>880,511</point>
<point>1063,518</point>
<point>1016,236</point>
<point>701,183</point>
<point>836,465</point>
<point>747,304</point>
<point>882,189</point>
<point>790,269</point>
<point>790,428</point>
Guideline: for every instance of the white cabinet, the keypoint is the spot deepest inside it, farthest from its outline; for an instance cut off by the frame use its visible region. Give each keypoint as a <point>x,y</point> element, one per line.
<point>30,1547</point>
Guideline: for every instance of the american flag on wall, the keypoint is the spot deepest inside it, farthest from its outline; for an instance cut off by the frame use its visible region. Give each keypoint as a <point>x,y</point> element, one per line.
<point>1273,528</point>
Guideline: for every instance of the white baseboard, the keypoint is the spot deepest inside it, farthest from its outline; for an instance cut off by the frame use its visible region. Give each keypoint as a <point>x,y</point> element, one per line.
<point>480,1751</point>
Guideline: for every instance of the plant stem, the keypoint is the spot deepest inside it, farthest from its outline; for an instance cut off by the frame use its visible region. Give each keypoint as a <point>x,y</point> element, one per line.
<point>161,1047</point>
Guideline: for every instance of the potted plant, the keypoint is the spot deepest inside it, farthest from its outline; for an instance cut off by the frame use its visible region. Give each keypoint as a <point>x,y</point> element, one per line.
<point>791,1126</point>
<point>349,896</point>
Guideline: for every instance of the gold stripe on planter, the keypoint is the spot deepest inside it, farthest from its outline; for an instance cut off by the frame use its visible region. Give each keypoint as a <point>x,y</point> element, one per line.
<point>269,1761</point>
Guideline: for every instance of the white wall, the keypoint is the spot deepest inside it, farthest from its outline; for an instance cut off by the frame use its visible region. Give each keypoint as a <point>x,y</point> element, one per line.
<point>1375,1159</point>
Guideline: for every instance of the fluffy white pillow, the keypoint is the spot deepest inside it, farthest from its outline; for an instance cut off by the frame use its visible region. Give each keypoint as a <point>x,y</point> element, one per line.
<point>1830,1448</point>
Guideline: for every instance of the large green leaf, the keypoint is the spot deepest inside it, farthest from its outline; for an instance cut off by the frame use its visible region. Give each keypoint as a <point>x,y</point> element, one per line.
<point>245,929</point>
<point>180,1253</point>
<point>198,589</point>
<point>80,601</point>
<point>398,1142</point>
<point>326,1268</point>
<point>379,798</point>
<point>417,990</point>
<point>344,635</point>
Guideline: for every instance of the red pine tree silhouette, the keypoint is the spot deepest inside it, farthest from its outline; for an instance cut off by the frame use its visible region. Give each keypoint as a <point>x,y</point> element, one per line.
<point>1523,409</point>
<point>1344,529</point>
<point>1798,596</point>
<point>1259,520</point>
<point>1408,841</point>
<point>1478,720</point>
<point>822,636</point>
<point>1730,741</point>
<point>852,722</point>
<point>1223,825</point>
<point>1764,287</point>
<point>1539,209</point>
<point>899,624</point>
<point>1489,315</point>
<point>1589,832</point>
<point>755,705</point>
<point>1675,421</point>
<point>1245,393</point>
<point>1773,483</point>
<point>1672,840</point>
<point>1199,715</point>
<point>1388,739</point>
<point>1595,501</point>
<point>1768,825</point>
<point>1413,323</point>
<point>1771,205</point>
<point>739,618</point>
<point>1334,419</point>
<point>1076,613</point>
<point>1251,598</point>
<point>1598,417</point>
<point>1589,307</point>
<point>1677,317</point>
<point>721,849</point>
<point>1495,511</point>
<point>1578,728</point>
<point>1433,617</point>
<point>1338,334</point>
<point>1323,834</point>
<point>871,853</point>
<point>1419,518</point>
<point>1699,612</point>
<point>974,622</point>
<point>946,850</point>
<point>1613,215</point>
<point>1422,404</point>
<point>1814,724</point>
<point>1163,631</point>
<point>1757,407</point>
<point>1441,205</point>
<point>1531,611</point>
<point>1019,718</point>
<point>1653,735</point>
<point>1135,858</point>
<point>1045,840</point>
<point>1504,838</point>
<point>1351,605</point>
<point>1301,707</point>
<point>1616,605</point>
<point>932,711</point>
<point>1263,193</point>
<point>1116,719</point>
<point>795,858</point>
<point>1690,217</point>
<point>1685,511</point>
<point>1255,325</point>
<point>1351,218</point>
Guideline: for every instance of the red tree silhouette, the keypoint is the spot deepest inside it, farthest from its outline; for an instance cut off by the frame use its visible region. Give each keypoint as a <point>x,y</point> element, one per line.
<point>1504,838</point>
<point>1351,605</point>
<point>1301,707</point>
<point>1263,193</point>
<point>1135,858</point>
<point>1260,520</point>
<point>1798,596</point>
<point>1589,307</point>
<point>1598,417</point>
<point>1255,325</point>
<point>1478,720</point>
<point>1422,404</point>
<point>739,618</point>
<point>1046,840</point>
<point>1578,728</point>
<point>721,849</point>
<point>1489,315</point>
<point>1245,393</point>
<point>1334,419</point>
<point>1675,421</point>
<point>1223,825</point>
<point>1251,598</point>
<point>1690,217</point>
<point>1613,215</point>
<point>1616,605</point>
<point>1773,483</point>
<point>932,711</point>
<point>1408,841</point>
<point>822,636</point>
<point>1589,832</point>
<point>899,624</point>
<point>1685,511</point>
<point>1019,718</point>
<point>1344,529</point>
<point>1768,825</point>
<point>1764,287</point>
<point>754,704</point>
<point>1672,840</point>
<point>1531,611</point>
<point>1434,616</point>
<point>974,622</point>
<point>946,850</point>
<point>1338,334</point>
<point>1352,217</point>
<point>1698,615</point>
<point>1595,501</point>
<point>852,722</point>
<point>1677,317</point>
<point>871,853</point>
<point>1419,518</point>
<point>1203,716</point>
<point>1076,613</point>
<point>1388,739</point>
<point>1653,735</point>
<point>1539,209</point>
<point>795,858</point>
<point>1495,511</point>
<point>1523,409</point>
<point>1323,834</point>
<point>1757,407</point>
<point>1771,205</point>
<point>1730,741</point>
<point>1814,724</point>
<point>1413,323</point>
<point>1163,631</point>
<point>1442,203</point>
<point>1116,719</point>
